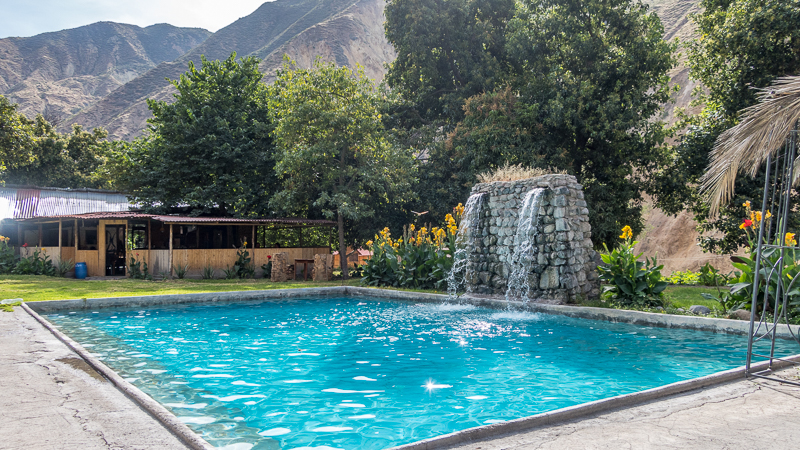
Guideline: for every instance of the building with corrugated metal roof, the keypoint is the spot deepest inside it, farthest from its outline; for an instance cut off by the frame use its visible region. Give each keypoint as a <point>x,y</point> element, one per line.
<point>100,229</point>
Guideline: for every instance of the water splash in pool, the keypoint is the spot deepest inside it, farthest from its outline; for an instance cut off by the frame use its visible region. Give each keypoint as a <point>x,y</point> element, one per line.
<point>521,260</point>
<point>468,232</point>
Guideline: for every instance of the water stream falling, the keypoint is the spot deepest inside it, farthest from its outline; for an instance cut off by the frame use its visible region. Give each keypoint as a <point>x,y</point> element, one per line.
<point>522,257</point>
<point>468,233</point>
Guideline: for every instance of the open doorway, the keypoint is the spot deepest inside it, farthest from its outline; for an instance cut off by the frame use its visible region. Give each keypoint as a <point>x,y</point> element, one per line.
<point>115,250</point>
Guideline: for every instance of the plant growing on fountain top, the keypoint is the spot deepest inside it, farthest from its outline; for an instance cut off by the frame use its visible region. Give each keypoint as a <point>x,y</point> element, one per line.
<point>420,258</point>
<point>628,281</point>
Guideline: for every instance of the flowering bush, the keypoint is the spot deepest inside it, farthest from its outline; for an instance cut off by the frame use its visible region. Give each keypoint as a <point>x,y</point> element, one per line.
<point>6,256</point>
<point>631,282</point>
<point>38,263</point>
<point>741,286</point>
<point>420,258</point>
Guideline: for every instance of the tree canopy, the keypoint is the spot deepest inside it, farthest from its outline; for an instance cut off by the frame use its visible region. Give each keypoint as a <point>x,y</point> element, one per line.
<point>210,150</point>
<point>576,85</point>
<point>333,151</point>
<point>743,44</point>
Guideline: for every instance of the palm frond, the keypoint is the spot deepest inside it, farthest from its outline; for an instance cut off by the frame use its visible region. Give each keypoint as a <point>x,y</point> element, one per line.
<point>744,147</point>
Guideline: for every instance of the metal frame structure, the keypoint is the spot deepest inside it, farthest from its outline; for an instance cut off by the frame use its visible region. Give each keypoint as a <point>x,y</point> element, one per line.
<point>773,291</point>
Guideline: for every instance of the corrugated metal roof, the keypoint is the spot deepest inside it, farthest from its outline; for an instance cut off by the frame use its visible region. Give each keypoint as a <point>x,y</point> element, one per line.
<point>189,220</point>
<point>27,203</point>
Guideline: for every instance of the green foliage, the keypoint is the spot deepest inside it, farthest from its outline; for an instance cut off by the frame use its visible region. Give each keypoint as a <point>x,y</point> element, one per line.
<point>581,87</point>
<point>744,44</point>
<point>230,273</point>
<point>210,149</point>
<point>267,268</point>
<point>208,272</point>
<point>447,51</point>
<point>138,270</point>
<point>687,277</point>
<point>7,258</point>
<point>420,259</point>
<point>710,276</point>
<point>333,151</point>
<point>630,282</point>
<point>64,266</point>
<point>180,270</point>
<point>32,152</point>
<point>38,263</point>
<point>243,267</point>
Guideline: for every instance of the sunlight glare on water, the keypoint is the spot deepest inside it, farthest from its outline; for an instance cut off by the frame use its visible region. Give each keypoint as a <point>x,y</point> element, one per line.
<point>366,374</point>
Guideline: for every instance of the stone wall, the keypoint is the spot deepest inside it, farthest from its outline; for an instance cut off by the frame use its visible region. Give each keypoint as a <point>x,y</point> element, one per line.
<point>563,263</point>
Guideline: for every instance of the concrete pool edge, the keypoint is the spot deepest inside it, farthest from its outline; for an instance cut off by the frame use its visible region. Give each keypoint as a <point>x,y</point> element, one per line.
<point>147,403</point>
<point>661,320</point>
<point>585,410</point>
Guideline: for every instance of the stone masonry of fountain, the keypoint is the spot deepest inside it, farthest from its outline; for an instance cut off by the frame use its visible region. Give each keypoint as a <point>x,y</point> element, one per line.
<point>561,264</point>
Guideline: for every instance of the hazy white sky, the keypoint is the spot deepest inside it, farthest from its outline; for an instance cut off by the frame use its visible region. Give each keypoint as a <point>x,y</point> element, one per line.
<point>31,17</point>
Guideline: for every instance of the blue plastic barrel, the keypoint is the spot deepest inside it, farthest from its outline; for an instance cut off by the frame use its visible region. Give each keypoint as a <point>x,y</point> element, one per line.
<point>80,270</point>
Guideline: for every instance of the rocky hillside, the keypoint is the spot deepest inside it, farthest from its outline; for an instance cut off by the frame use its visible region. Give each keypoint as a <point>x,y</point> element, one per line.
<point>62,72</point>
<point>347,32</point>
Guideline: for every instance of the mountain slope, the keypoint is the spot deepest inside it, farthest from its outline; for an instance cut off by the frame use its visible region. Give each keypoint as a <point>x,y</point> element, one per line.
<point>62,72</point>
<point>348,32</point>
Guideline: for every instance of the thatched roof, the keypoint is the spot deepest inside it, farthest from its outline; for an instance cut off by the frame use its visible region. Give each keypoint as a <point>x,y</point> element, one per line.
<point>744,148</point>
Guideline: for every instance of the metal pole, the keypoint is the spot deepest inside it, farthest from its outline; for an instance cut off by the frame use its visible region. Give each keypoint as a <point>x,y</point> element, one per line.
<point>754,302</point>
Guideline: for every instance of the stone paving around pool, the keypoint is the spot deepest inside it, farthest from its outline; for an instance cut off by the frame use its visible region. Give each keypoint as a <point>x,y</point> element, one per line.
<point>51,399</point>
<point>760,414</point>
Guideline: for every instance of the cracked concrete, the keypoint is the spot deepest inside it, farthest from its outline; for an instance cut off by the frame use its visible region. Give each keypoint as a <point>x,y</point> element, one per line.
<point>51,399</point>
<point>754,414</point>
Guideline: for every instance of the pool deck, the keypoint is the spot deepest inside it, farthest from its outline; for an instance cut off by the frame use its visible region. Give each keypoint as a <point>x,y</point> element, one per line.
<point>51,399</point>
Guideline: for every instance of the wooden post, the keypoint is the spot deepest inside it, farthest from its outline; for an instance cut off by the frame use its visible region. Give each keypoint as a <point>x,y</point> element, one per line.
<point>170,250</point>
<point>254,242</point>
<point>59,241</point>
<point>20,237</point>
<point>40,235</point>
<point>75,233</point>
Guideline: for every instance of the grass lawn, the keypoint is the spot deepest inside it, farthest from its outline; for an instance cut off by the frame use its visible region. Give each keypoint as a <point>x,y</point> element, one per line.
<point>38,288</point>
<point>686,296</point>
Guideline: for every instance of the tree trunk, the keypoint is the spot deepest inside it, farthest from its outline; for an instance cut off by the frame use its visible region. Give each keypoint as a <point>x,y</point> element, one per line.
<point>342,249</point>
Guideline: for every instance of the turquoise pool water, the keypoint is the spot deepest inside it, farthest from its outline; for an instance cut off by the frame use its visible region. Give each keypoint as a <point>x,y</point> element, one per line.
<point>363,374</point>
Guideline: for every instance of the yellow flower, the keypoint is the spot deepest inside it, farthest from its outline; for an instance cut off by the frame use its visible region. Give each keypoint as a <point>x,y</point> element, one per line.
<point>758,217</point>
<point>746,204</point>
<point>790,240</point>
<point>411,227</point>
<point>742,226</point>
<point>626,232</point>
<point>369,243</point>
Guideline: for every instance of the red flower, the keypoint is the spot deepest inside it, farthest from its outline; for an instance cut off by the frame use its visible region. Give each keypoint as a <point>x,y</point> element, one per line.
<point>748,223</point>
<point>25,244</point>
<point>269,256</point>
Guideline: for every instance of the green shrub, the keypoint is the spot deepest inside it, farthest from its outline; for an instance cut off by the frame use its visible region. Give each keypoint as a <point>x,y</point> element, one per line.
<point>181,270</point>
<point>243,265</point>
<point>208,272</point>
<point>36,264</point>
<point>7,258</point>
<point>267,268</point>
<point>688,277</point>
<point>630,282</point>
<point>420,259</point>
<point>64,266</point>
<point>138,269</point>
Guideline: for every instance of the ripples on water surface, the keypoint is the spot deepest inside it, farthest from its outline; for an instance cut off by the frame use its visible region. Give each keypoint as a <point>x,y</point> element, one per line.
<point>362,374</point>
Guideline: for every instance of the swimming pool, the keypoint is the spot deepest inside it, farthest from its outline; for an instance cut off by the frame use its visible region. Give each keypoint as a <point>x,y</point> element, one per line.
<point>367,374</point>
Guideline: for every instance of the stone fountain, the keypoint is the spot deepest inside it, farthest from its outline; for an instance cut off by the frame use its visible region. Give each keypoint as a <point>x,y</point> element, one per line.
<point>527,240</point>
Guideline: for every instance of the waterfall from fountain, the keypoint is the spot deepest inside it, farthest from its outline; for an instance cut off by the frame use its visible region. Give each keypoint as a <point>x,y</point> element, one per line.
<point>468,232</point>
<point>523,255</point>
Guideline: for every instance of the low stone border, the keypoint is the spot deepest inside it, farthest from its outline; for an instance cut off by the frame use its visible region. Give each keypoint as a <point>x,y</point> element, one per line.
<point>587,409</point>
<point>155,409</point>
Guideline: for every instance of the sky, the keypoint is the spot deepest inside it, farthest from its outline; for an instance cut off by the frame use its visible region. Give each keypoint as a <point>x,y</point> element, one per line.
<point>31,17</point>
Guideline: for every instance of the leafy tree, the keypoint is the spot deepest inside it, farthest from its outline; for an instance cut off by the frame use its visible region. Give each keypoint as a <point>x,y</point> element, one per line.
<point>447,51</point>
<point>15,137</point>
<point>39,155</point>
<point>210,149</point>
<point>586,80</point>
<point>334,155</point>
<point>743,44</point>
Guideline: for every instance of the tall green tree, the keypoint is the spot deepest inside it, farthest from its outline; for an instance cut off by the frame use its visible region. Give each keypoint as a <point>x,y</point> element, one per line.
<point>210,149</point>
<point>32,152</point>
<point>742,45</point>
<point>584,86</point>
<point>334,154</point>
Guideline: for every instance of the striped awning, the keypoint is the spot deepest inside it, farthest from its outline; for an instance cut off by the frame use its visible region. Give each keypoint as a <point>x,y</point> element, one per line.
<point>29,203</point>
